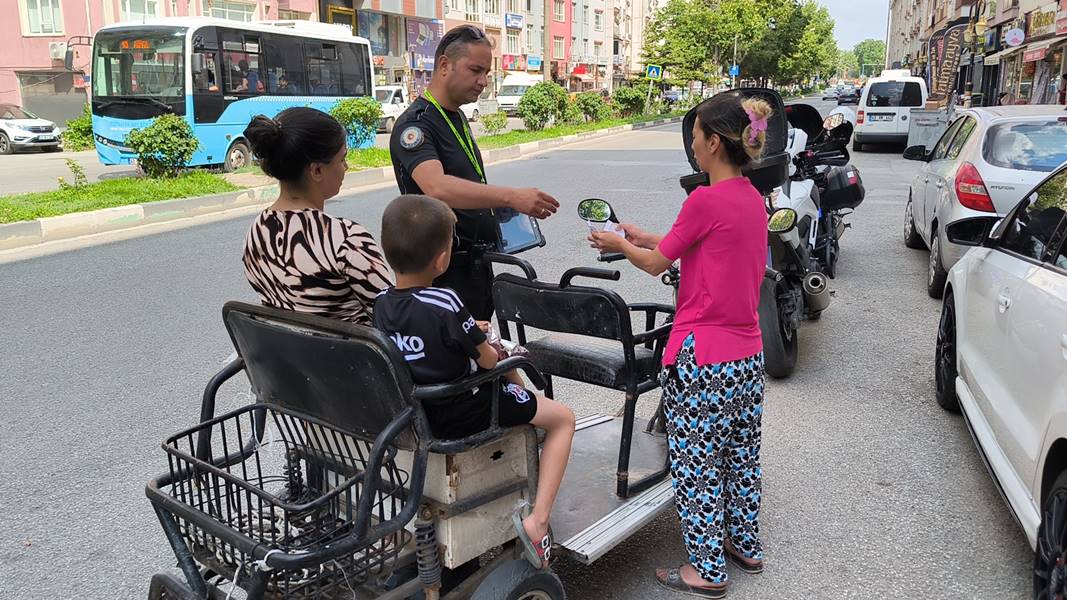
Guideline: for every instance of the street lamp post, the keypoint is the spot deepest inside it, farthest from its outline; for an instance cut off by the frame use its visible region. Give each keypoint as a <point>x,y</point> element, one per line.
<point>975,30</point>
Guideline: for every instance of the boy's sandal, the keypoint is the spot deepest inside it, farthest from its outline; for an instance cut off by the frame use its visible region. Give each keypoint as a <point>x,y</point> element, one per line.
<point>538,554</point>
<point>752,566</point>
<point>672,580</point>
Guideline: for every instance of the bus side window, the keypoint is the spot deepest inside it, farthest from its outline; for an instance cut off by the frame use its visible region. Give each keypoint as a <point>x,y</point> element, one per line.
<point>205,77</point>
<point>323,68</point>
<point>285,64</point>
<point>355,70</point>
<point>240,61</point>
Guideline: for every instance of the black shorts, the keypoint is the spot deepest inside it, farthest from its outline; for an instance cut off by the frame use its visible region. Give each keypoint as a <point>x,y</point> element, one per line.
<point>460,417</point>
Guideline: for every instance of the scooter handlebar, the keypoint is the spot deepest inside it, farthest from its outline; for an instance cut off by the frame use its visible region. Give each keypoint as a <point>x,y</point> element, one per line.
<point>611,257</point>
<point>588,272</point>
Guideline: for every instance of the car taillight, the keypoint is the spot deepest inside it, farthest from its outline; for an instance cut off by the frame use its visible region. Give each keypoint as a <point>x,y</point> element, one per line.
<point>859,118</point>
<point>971,190</point>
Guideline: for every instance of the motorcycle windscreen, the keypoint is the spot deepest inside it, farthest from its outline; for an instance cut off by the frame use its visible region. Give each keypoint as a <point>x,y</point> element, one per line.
<point>806,118</point>
<point>770,171</point>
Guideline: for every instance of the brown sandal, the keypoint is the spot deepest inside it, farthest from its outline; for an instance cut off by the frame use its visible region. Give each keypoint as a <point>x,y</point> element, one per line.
<point>672,580</point>
<point>752,566</point>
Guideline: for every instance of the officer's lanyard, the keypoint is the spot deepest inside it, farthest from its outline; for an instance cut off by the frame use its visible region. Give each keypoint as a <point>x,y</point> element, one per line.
<point>468,146</point>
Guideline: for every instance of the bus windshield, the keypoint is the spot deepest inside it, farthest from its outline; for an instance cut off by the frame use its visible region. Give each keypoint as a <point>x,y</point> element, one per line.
<point>139,70</point>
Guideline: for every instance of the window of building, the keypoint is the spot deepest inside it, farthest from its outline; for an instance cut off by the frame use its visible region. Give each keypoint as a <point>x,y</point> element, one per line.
<point>293,15</point>
<point>598,20</point>
<point>598,49</point>
<point>529,6</point>
<point>228,9</point>
<point>43,16</point>
<point>558,10</point>
<point>492,7</point>
<point>453,6</point>
<point>514,6</point>
<point>139,10</point>
<point>533,40</point>
<point>512,43</point>
<point>473,11</point>
<point>585,15</point>
<point>557,47</point>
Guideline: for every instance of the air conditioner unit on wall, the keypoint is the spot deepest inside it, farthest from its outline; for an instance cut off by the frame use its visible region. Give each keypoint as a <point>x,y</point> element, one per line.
<point>57,50</point>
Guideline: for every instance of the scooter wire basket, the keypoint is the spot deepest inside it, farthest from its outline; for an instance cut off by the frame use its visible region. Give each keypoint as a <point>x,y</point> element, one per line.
<point>290,483</point>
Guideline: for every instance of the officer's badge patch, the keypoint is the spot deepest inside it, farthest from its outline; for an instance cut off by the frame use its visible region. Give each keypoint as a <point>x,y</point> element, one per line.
<point>411,138</point>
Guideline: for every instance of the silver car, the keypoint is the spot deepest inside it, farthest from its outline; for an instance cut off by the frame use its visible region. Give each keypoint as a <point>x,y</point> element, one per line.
<point>982,165</point>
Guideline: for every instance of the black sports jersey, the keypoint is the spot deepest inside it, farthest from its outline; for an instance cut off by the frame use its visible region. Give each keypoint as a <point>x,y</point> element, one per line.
<point>436,334</point>
<point>421,134</point>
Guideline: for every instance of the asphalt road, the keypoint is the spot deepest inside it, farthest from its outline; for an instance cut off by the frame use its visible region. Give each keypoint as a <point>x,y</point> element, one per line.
<point>37,171</point>
<point>871,491</point>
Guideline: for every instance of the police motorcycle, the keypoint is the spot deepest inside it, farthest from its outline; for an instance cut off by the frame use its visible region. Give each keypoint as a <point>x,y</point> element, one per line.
<point>330,484</point>
<point>824,188</point>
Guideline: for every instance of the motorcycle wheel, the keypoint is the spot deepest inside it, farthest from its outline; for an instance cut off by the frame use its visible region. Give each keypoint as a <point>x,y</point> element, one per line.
<point>779,340</point>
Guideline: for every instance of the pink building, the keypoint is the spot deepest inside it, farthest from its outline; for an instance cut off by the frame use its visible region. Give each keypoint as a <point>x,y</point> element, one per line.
<point>33,44</point>
<point>559,53</point>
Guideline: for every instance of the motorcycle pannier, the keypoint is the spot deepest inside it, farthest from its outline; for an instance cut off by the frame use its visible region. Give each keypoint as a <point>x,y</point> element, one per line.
<point>844,189</point>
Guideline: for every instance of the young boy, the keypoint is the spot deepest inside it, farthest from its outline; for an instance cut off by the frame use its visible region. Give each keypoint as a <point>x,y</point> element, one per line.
<point>442,343</point>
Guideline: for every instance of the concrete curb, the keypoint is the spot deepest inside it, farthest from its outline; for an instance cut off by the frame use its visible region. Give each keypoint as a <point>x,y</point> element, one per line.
<point>47,229</point>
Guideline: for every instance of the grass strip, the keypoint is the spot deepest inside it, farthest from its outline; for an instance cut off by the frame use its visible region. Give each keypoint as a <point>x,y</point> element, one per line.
<point>109,193</point>
<point>523,136</point>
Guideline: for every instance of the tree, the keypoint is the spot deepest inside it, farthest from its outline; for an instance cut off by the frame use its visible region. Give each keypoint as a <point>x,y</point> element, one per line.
<point>847,66</point>
<point>870,52</point>
<point>675,39</point>
<point>798,43</point>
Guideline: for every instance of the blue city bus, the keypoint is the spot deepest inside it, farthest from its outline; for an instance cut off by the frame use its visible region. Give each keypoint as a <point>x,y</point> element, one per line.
<point>218,74</point>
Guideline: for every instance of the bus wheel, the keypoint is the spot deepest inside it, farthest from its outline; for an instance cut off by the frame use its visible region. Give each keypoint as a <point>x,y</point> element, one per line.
<point>239,156</point>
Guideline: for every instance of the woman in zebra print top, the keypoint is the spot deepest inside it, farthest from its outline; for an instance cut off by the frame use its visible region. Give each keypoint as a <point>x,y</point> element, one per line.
<point>296,256</point>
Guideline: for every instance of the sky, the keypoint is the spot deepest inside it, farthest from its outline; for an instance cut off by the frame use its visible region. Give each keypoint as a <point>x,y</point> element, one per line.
<point>857,20</point>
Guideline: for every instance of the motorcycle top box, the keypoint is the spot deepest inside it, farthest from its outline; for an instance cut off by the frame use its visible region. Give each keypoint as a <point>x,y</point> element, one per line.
<point>767,173</point>
<point>844,189</point>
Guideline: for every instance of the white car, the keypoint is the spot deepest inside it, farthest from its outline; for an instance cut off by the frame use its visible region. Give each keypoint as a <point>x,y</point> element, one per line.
<point>21,129</point>
<point>1001,360</point>
<point>885,105</point>
<point>982,165</point>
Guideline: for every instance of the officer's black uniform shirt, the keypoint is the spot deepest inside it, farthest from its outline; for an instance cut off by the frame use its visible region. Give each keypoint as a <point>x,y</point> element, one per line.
<point>433,330</point>
<point>421,134</point>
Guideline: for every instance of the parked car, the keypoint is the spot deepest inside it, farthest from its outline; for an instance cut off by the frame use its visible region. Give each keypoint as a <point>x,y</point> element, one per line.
<point>394,100</point>
<point>1001,360</point>
<point>20,129</point>
<point>981,165</point>
<point>512,89</point>
<point>885,105</point>
<point>829,94</point>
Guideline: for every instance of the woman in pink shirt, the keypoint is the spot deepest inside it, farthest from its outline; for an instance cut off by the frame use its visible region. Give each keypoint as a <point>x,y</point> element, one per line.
<point>713,363</point>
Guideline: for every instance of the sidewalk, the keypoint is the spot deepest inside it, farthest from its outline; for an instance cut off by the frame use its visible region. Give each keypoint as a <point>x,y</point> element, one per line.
<point>29,233</point>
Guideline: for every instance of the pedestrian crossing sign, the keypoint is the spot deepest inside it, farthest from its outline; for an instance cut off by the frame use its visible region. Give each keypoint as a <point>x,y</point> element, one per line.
<point>654,72</point>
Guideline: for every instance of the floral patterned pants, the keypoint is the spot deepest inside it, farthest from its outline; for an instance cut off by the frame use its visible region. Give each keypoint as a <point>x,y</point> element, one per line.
<point>713,415</point>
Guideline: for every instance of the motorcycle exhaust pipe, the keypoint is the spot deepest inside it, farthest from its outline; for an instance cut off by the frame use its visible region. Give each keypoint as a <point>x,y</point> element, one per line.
<point>816,293</point>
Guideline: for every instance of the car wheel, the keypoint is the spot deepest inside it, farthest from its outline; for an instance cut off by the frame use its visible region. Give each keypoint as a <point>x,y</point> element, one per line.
<point>936,274</point>
<point>238,157</point>
<point>912,239</point>
<point>5,144</point>
<point>1050,556</point>
<point>475,115</point>
<point>389,124</point>
<point>945,367</point>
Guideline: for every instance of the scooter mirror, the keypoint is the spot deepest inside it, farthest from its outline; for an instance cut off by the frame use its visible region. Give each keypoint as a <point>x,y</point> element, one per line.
<point>782,220</point>
<point>833,121</point>
<point>596,211</point>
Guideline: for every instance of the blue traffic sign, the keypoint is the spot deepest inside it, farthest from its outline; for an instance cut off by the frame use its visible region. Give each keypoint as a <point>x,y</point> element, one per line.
<point>735,70</point>
<point>654,72</point>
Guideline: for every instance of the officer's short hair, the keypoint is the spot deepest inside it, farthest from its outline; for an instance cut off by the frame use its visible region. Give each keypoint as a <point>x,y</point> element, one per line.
<point>454,43</point>
<point>415,229</point>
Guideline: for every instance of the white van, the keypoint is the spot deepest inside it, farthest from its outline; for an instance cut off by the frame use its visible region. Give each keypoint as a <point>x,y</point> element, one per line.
<point>513,88</point>
<point>885,108</point>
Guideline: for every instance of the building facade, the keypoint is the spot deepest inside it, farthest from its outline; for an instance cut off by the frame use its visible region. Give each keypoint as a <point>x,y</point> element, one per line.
<point>1012,51</point>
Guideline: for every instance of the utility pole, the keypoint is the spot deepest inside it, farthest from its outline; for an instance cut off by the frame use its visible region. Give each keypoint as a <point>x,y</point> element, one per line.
<point>549,50</point>
<point>733,78</point>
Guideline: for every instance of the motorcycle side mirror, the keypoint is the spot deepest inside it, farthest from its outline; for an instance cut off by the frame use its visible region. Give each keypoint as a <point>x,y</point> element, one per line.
<point>197,62</point>
<point>916,153</point>
<point>596,210</point>
<point>833,121</point>
<point>68,59</point>
<point>782,221</point>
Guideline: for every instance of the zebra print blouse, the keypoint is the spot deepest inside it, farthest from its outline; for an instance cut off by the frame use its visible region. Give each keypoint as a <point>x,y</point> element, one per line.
<point>311,262</point>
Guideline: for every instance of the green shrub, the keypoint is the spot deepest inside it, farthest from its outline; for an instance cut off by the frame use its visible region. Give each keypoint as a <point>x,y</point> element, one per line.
<point>360,117</point>
<point>541,103</point>
<point>165,147</point>
<point>79,133</point>
<point>629,101</point>
<point>573,115</point>
<point>79,175</point>
<point>592,106</point>
<point>495,123</point>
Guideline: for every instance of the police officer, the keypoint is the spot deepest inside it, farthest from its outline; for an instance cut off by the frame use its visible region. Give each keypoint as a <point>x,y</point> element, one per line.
<point>435,154</point>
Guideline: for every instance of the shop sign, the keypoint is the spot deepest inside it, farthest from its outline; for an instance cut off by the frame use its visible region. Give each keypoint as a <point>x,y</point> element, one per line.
<point>1061,21</point>
<point>423,37</point>
<point>491,20</point>
<point>1035,55</point>
<point>533,62</point>
<point>379,61</point>
<point>1041,23</point>
<point>513,21</point>
<point>946,46</point>
<point>1014,37</point>
<point>514,62</point>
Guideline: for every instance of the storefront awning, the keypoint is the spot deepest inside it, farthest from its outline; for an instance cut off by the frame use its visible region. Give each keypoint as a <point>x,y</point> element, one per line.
<point>584,78</point>
<point>995,58</point>
<point>1036,51</point>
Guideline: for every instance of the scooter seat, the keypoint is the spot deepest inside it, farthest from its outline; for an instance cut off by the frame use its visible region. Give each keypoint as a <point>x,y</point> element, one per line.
<point>590,360</point>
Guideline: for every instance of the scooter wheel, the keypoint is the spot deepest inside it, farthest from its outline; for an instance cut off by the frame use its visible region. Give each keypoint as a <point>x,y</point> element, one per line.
<point>519,580</point>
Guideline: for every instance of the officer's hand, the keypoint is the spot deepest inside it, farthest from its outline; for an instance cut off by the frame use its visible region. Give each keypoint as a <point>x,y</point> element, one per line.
<point>533,202</point>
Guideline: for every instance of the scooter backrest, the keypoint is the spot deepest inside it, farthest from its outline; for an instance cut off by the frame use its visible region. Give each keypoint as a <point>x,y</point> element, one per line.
<point>580,310</point>
<point>347,375</point>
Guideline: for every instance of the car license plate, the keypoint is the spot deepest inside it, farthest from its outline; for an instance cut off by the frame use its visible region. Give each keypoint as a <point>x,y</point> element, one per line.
<point>881,117</point>
<point>47,138</point>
